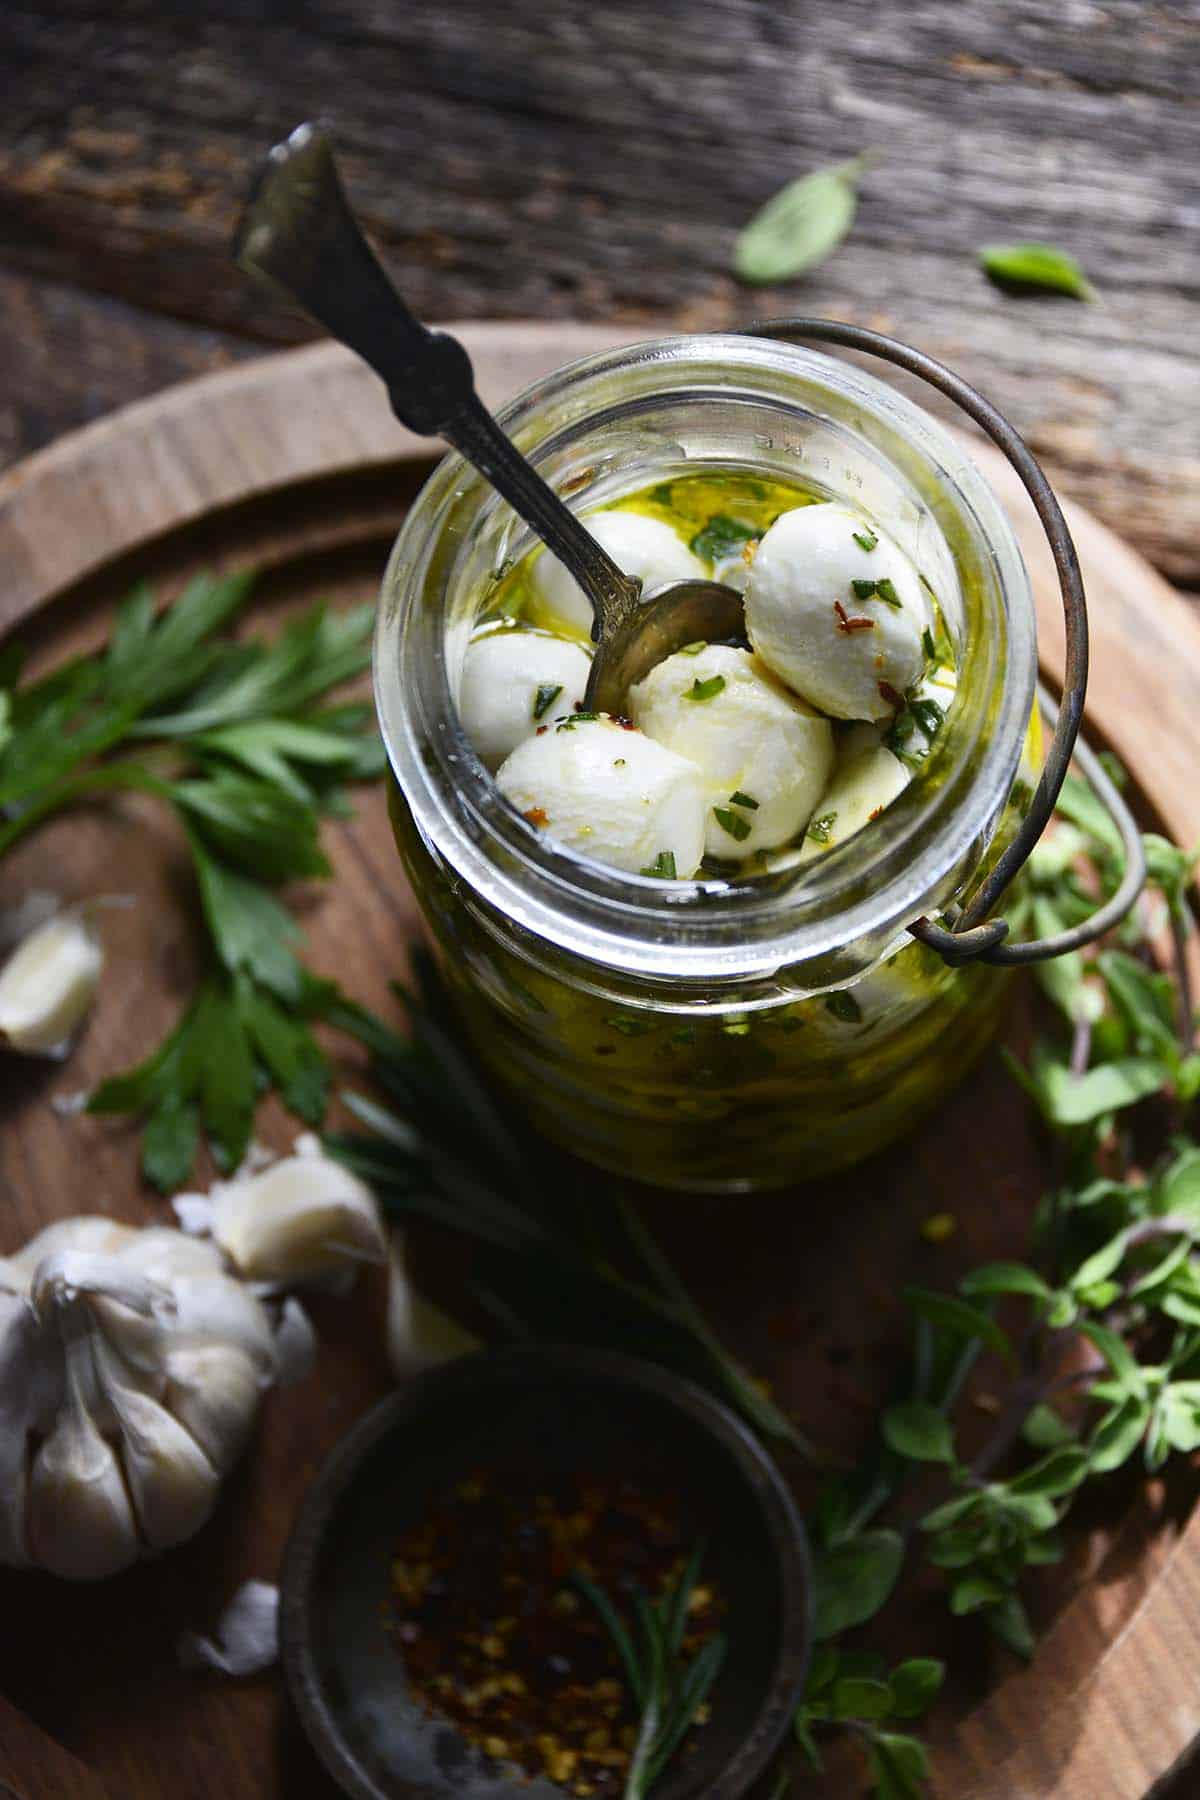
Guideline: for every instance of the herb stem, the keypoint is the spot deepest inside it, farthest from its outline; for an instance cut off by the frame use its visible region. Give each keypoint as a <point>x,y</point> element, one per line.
<point>113,776</point>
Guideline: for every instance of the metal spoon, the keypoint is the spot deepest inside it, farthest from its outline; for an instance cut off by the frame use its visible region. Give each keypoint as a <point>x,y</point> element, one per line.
<point>299,233</point>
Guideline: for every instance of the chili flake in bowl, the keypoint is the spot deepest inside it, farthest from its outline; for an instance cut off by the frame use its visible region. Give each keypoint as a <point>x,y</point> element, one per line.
<point>468,1585</point>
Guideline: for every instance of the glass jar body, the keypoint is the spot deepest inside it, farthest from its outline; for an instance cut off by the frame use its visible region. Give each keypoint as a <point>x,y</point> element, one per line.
<point>716,1041</point>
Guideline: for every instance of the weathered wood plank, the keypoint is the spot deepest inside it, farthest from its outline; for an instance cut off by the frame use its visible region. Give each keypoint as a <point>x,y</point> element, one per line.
<point>596,162</point>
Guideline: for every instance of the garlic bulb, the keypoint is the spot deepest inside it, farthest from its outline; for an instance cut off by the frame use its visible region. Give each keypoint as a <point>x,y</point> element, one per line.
<point>131,1368</point>
<point>48,983</point>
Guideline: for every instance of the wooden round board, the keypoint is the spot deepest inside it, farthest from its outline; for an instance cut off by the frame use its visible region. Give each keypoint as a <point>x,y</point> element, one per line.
<point>295,464</point>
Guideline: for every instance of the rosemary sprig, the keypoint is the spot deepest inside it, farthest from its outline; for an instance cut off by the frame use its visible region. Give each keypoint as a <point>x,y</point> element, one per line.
<point>668,1687</point>
<point>441,1150</point>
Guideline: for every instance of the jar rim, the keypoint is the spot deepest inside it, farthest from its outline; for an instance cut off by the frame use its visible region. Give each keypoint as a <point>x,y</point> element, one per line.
<point>704,930</point>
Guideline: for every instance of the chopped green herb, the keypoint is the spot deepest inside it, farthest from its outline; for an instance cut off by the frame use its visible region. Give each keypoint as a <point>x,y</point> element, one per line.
<point>544,699</point>
<point>929,715</point>
<point>693,649</point>
<point>887,593</point>
<point>1036,266</point>
<point>618,762</point>
<point>866,539</point>
<point>706,690</point>
<point>820,830</point>
<point>740,799</point>
<point>732,822</point>
<point>579,718</point>
<point>844,1006</point>
<point>927,644</point>
<point>663,866</point>
<point>722,536</point>
<point>864,589</point>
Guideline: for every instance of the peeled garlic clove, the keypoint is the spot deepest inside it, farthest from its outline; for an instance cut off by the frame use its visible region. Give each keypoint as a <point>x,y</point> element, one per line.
<point>80,1521</point>
<point>419,1334</point>
<point>48,983</point>
<point>213,1390</point>
<point>305,1216</point>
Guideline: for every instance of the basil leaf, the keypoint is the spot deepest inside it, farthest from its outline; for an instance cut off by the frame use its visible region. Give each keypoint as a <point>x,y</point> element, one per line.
<point>1036,266</point>
<point>899,1766</point>
<point>1005,1278</point>
<point>915,1685</point>
<point>918,1431</point>
<point>955,1315</point>
<point>1057,1473</point>
<point>854,1580</point>
<point>800,225</point>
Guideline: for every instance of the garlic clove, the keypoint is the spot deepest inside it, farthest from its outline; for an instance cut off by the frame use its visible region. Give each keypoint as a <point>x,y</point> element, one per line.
<point>218,1309</point>
<point>172,1484</point>
<point>162,1254</point>
<point>213,1390</point>
<point>48,983</point>
<point>304,1217</point>
<point>79,1518</point>
<point>419,1334</point>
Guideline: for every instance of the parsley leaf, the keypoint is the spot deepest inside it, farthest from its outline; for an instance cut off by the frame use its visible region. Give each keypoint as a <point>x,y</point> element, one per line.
<point>235,736</point>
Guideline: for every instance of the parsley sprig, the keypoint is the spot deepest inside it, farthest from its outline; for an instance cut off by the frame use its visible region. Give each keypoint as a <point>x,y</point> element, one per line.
<point>236,737</point>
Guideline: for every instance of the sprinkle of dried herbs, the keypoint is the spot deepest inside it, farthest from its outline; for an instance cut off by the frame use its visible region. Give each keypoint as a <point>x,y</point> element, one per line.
<point>820,829</point>
<point>866,539</point>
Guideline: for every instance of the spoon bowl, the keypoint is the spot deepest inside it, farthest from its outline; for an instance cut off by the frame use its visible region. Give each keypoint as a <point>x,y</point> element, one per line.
<point>686,612</point>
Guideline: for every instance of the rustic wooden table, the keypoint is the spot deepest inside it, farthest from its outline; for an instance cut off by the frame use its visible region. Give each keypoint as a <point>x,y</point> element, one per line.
<point>595,163</point>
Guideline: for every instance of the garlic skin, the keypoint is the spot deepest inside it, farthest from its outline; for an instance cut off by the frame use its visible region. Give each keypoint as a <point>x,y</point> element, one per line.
<point>49,982</point>
<point>304,1218</point>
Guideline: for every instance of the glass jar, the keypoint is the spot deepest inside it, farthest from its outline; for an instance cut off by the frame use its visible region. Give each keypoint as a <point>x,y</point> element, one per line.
<point>712,1035</point>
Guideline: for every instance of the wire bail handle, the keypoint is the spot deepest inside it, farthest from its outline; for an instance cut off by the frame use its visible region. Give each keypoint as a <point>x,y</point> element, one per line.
<point>969,934</point>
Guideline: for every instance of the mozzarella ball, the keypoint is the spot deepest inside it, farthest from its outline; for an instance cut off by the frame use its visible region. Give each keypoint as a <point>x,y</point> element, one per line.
<point>606,791</point>
<point>506,678</point>
<point>862,786</point>
<point>733,571</point>
<point>750,738</point>
<point>847,653</point>
<point>647,549</point>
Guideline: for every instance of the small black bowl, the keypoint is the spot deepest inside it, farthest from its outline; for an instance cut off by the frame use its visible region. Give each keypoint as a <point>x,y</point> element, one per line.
<point>570,1408</point>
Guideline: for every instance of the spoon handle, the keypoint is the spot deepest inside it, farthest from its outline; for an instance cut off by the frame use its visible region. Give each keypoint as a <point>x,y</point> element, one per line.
<point>299,234</point>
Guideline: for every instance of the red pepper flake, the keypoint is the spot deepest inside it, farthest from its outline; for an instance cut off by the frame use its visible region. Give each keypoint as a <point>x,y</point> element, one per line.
<point>847,624</point>
<point>537,815</point>
<point>887,692</point>
<point>541,731</point>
